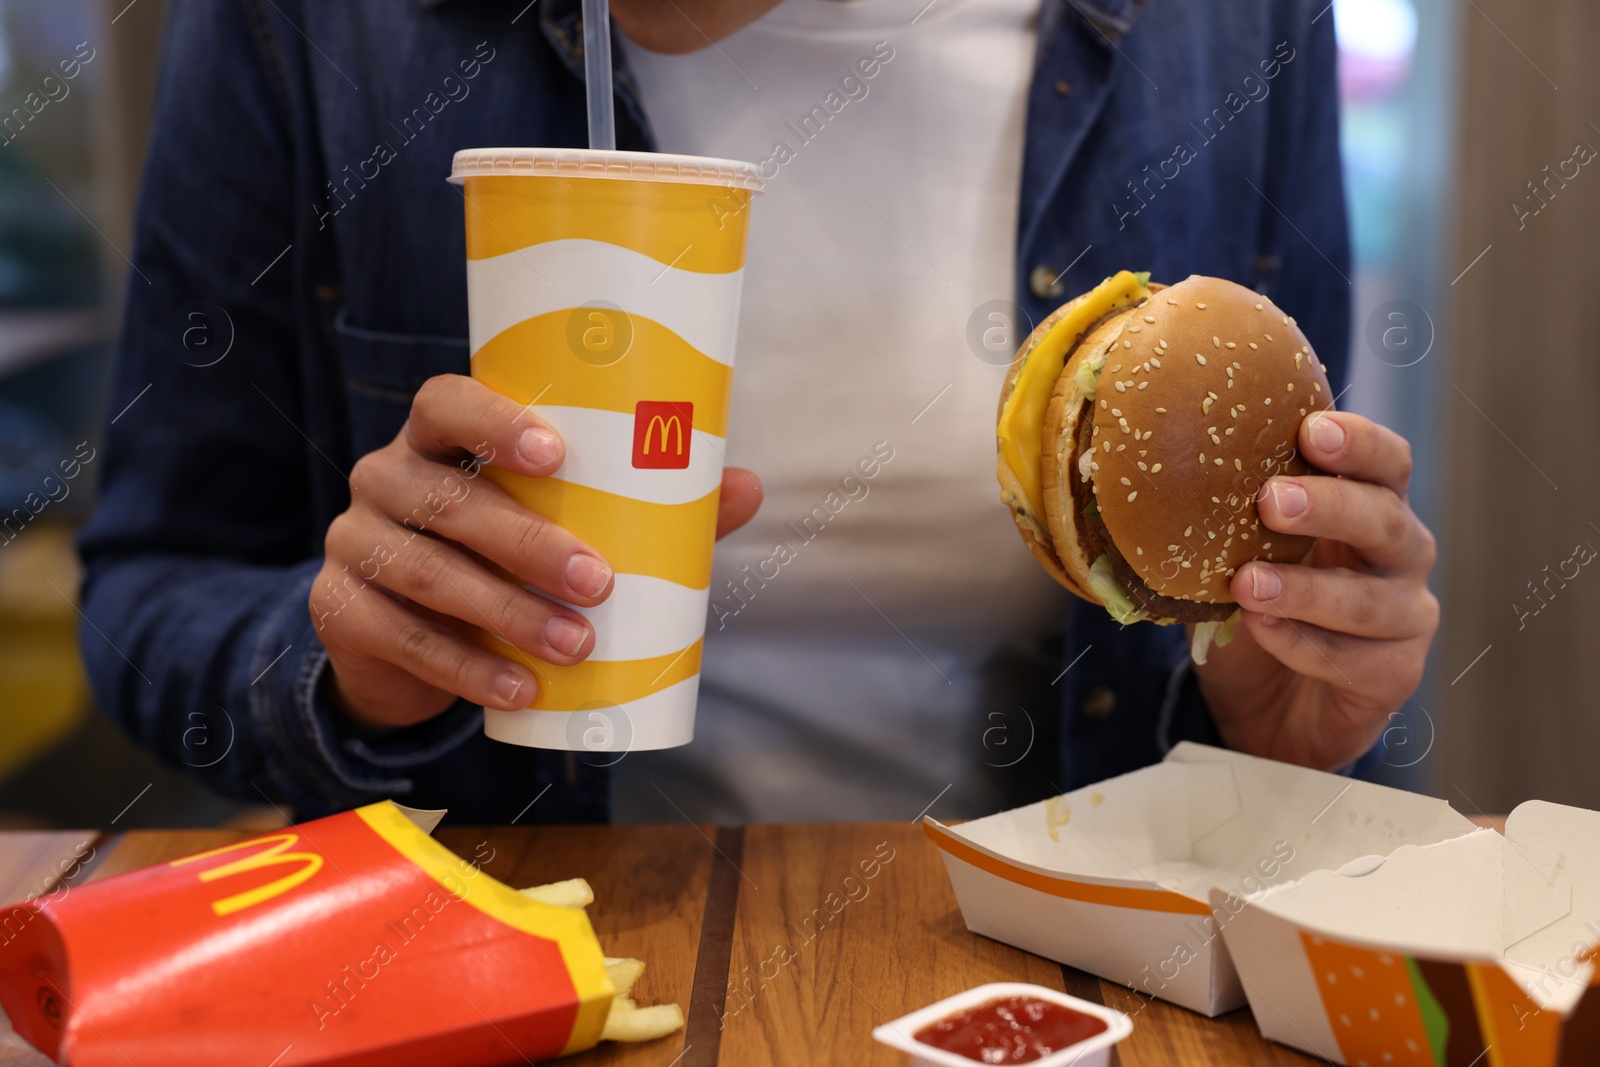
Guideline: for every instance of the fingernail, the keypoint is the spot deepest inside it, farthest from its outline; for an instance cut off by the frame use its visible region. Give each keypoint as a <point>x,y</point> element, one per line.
<point>586,575</point>
<point>565,634</point>
<point>1270,620</point>
<point>1327,434</point>
<point>508,684</point>
<point>1290,497</point>
<point>1265,583</point>
<point>539,447</point>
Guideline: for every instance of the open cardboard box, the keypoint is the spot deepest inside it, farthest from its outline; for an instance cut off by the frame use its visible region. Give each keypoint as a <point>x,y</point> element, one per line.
<point>1476,950</point>
<point>1119,878</point>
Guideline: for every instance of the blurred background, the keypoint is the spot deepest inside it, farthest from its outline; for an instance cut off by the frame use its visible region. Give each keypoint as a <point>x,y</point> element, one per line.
<point>1467,133</point>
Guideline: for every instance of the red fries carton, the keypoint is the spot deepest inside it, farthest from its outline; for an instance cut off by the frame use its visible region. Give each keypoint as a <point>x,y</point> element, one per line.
<point>352,940</point>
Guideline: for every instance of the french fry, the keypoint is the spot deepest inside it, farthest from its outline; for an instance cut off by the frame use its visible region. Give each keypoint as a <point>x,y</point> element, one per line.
<point>626,1021</point>
<point>629,1022</point>
<point>623,973</point>
<point>572,893</point>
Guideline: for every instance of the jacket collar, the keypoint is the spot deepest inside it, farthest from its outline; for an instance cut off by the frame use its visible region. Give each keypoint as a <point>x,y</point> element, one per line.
<point>1113,18</point>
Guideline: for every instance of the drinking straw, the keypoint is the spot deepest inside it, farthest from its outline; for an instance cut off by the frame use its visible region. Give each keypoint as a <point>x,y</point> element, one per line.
<point>597,74</point>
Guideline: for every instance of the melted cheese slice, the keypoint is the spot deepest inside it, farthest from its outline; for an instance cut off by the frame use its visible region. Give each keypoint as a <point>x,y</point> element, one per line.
<point>1021,426</point>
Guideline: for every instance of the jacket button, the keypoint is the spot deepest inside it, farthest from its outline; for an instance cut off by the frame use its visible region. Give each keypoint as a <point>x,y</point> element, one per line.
<point>1099,704</point>
<point>1044,281</point>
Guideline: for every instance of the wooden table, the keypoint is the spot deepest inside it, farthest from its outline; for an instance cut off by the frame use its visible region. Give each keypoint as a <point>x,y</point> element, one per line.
<point>778,946</point>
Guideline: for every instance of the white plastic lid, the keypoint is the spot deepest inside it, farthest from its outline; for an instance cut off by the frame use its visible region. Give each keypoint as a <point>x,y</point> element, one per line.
<point>586,163</point>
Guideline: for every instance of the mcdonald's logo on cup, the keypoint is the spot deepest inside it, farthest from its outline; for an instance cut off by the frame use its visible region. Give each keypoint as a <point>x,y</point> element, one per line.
<point>661,434</point>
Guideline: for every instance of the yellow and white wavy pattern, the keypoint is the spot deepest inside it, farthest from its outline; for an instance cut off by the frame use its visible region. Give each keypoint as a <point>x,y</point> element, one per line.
<point>654,526</point>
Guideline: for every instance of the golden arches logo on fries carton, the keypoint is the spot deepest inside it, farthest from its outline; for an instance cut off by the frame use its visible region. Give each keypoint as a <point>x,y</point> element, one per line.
<point>353,940</point>
<point>603,294</point>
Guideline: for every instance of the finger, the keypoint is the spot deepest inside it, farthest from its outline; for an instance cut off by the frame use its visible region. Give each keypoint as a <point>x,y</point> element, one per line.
<point>1341,442</point>
<point>741,496</point>
<point>1335,598</point>
<point>479,515</point>
<point>377,626</point>
<point>1369,518</point>
<point>440,577</point>
<point>1361,666</point>
<point>453,416</point>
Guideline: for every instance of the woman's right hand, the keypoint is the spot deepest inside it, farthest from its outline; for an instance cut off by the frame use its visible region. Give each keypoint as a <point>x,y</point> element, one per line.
<point>406,581</point>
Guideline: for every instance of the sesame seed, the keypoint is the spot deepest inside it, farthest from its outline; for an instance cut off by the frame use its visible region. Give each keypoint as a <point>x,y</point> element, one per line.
<point>1125,481</point>
<point>1202,457</point>
<point>1149,318</point>
<point>1156,469</point>
<point>1253,347</point>
<point>1202,307</point>
<point>1216,343</point>
<point>1317,386</point>
<point>1266,545</point>
<point>1142,467</point>
<point>1133,329</point>
<point>1174,303</point>
<point>1238,466</point>
<point>1215,439</point>
<point>1149,434</point>
<point>1122,448</point>
<point>1226,432</point>
<point>1201,358</point>
<point>1108,446</point>
<point>1163,343</point>
<point>1154,362</point>
<point>1144,385</point>
<point>1127,344</point>
<point>1230,344</point>
<point>1136,548</point>
<point>1268,400</point>
<point>1268,336</point>
<point>1132,495</point>
<point>1102,403</point>
<point>1117,412</point>
<point>1162,411</point>
<point>1229,370</point>
<point>1218,461</point>
<point>1205,406</point>
<point>1291,387</point>
<point>1116,368</point>
<point>1258,307</point>
<point>1212,395</point>
<point>1297,360</point>
<point>1187,530</point>
<point>1121,388</point>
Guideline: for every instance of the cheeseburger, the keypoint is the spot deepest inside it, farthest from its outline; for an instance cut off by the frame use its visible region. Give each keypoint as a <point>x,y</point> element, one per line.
<point>1136,426</point>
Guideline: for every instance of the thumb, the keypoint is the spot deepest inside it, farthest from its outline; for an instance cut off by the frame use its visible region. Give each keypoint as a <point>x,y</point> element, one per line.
<point>741,496</point>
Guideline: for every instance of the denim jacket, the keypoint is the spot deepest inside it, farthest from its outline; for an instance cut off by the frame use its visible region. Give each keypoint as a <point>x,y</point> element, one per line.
<point>298,273</point>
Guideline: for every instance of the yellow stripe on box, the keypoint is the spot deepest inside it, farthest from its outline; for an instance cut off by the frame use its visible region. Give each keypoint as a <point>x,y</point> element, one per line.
<point>1115,896</point>
<point>601,683</point>
<point>568,927</point>
<point>691,227</point>
<point>1518,1033</point>
<point>670,541</point>
<point>536,361</point>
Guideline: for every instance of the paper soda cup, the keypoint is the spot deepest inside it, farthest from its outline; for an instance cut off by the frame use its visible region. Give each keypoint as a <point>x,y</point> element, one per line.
<point>603,294</point>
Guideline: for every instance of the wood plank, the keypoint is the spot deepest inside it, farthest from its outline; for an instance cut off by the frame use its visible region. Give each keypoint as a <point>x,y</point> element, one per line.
<point>1165,1034</point>
<point>649,885</point>
<point>33,863</point>
<point>822,953</point>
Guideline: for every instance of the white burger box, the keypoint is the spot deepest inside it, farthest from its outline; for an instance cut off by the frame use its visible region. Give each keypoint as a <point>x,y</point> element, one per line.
<point>1477,950</point>
<point>1118,878</point>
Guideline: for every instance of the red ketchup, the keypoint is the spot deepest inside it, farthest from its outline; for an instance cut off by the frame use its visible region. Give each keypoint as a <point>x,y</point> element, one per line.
<point>1010,1030</point>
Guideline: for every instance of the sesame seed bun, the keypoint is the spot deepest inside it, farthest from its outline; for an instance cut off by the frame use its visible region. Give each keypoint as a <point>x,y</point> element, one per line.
<point>1175,528</point>
<point>1183,520</point>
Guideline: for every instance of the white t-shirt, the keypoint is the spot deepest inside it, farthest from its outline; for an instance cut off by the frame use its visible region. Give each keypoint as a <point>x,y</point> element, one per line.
<point>851,617</point>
